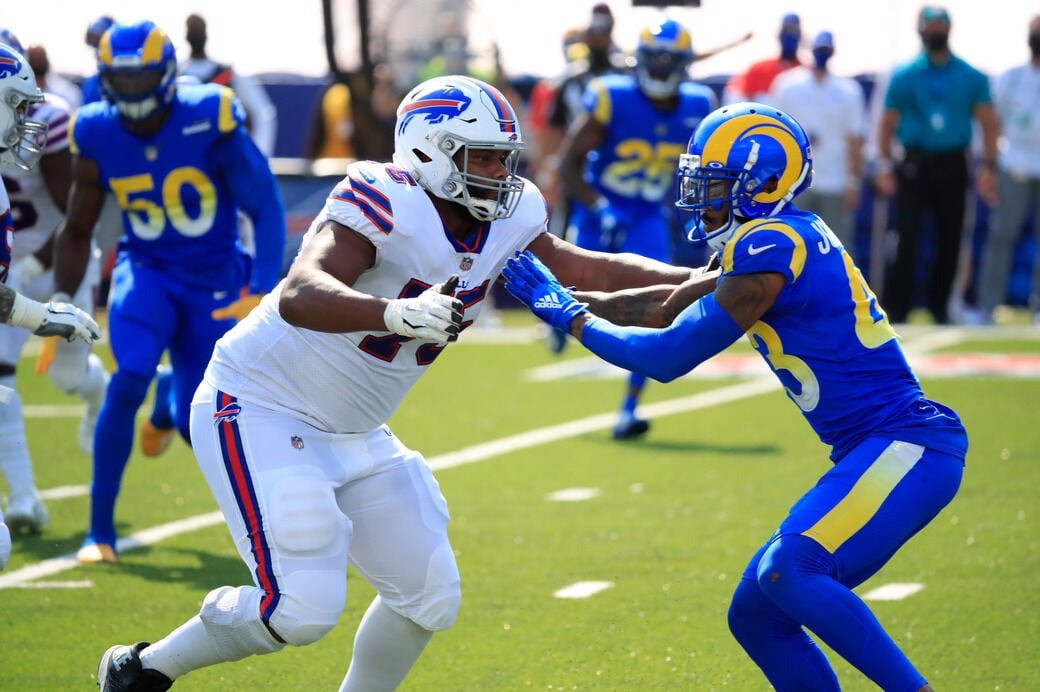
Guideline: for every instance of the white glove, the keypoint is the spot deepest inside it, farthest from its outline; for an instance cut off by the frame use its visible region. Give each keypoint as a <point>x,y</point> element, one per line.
<point>23,271</point>
<point>53,319</point>
<point>5,543</point>
<point>435,314</point>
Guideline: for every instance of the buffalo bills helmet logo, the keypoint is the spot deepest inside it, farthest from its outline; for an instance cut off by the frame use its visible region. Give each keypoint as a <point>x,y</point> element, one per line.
<point>436,107</point>
<point>10,63</point>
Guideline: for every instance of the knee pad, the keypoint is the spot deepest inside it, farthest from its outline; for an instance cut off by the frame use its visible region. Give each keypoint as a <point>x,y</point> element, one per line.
<point>438,607</point>
<point>788,561</point>
<point>304,517</point>
<point>232,620</point>
<point>310,535</point>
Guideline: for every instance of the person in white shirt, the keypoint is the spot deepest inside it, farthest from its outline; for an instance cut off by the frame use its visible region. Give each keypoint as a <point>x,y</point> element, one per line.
<point>832,109</point>
<point>1016,99</point>
<point>262,115</point>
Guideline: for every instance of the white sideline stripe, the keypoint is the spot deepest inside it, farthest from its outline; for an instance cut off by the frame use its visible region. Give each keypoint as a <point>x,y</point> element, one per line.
<point>52,410</point>
<point>892,592</point>
<point>583,589</point>
<point>155,534</point>
<point>603,421</point>
<point>572,495</point>
<point>83,584</point>
<point>64,492</point>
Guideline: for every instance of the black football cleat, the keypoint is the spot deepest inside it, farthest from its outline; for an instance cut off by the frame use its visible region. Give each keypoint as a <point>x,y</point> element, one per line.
<point>630,427</point>
<point>120,671</point>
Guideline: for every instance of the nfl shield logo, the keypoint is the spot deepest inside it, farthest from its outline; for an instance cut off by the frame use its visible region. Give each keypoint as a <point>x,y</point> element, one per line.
<point>466,264</point>
<point>297,442</point>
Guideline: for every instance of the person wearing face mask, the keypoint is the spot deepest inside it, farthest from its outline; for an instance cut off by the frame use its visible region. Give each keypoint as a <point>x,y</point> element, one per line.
<point>596,56</point>
<point>1016,98</point>
<point>832,109</point>
<point>929,108</point>
<point>754,84</point>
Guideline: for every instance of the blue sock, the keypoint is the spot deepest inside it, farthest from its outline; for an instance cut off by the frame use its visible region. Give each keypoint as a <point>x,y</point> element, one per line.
<point>636,382</point>
<point>113,440</point>
<point>162,410</point>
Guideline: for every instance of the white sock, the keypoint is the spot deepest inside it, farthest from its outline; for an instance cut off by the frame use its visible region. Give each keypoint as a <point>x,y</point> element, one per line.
<point>386,647</point>
<point>14,453</point>
<point>185,649</point>
<point>91,388</point>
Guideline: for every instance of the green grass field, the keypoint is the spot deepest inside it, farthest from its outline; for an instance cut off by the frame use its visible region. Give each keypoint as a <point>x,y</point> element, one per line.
<point>671,525</point>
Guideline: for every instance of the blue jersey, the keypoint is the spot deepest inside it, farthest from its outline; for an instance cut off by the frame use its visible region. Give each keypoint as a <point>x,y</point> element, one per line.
<point>634,167</point>
<point>180,189</point>
<point>830,343</point>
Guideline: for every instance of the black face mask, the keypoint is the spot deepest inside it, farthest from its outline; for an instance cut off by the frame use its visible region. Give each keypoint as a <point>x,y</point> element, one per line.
<point>1034,44</point>
<point>197,43</point>
<point>599,59</point>
<point>935,42</point>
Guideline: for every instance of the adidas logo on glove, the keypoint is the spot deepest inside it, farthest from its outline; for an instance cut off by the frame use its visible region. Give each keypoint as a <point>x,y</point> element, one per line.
<point>549,300</point>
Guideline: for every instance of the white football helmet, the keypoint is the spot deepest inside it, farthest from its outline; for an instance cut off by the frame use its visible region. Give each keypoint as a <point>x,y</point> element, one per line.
<point>21,140</point>
<point>446,115</point>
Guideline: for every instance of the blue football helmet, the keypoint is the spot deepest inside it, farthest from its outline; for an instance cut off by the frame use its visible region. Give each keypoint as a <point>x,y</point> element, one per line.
<point>21,140</point>
<point>138,69</point>
<point>733,155</point>
<point>664,53</point>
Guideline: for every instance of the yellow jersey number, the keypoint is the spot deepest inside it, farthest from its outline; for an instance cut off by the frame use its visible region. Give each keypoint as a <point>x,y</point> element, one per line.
<point>643,169</point>
<point>872,330</point>
<point>148,219</point>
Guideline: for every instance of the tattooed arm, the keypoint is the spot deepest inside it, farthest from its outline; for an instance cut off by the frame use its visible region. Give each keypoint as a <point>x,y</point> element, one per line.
<point>653,306</point>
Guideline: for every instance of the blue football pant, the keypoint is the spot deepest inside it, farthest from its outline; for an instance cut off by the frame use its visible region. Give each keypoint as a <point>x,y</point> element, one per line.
<point>149,312</point>
<point>836,536</point>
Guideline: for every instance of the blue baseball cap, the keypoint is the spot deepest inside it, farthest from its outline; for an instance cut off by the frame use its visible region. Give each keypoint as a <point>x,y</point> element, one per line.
<point>824,41</point>
<point>933,13</point>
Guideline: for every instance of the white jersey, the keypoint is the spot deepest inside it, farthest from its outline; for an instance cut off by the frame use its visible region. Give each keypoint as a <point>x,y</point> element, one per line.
<point>32,210</point>
<point>831,111</point>
<point>353,382</point>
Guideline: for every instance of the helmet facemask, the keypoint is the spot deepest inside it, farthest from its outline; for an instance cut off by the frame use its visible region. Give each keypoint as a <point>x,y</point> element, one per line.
<point>470,189</point>
<point>22,140</point>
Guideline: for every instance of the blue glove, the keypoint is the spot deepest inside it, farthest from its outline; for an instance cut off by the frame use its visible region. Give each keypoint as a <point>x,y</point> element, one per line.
<point>533,284</point>
<point>612,225</point>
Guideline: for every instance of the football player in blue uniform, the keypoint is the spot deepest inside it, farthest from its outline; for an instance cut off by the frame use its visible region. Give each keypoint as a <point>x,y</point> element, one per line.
<point>618,161</point>
<point>788,283</point>
<point>22,143</point>
<point>180,165</point>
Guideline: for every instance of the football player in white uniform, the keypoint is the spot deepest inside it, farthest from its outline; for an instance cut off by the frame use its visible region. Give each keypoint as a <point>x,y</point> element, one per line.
<point>289,424</point>
<point>22,141</point>
<point>38,197</point>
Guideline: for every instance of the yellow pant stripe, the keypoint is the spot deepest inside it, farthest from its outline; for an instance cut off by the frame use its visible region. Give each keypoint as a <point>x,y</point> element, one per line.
<point>863,500</point>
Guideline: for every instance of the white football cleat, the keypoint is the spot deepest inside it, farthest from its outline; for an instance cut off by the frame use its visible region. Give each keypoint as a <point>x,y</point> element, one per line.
<point>26,514</point>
